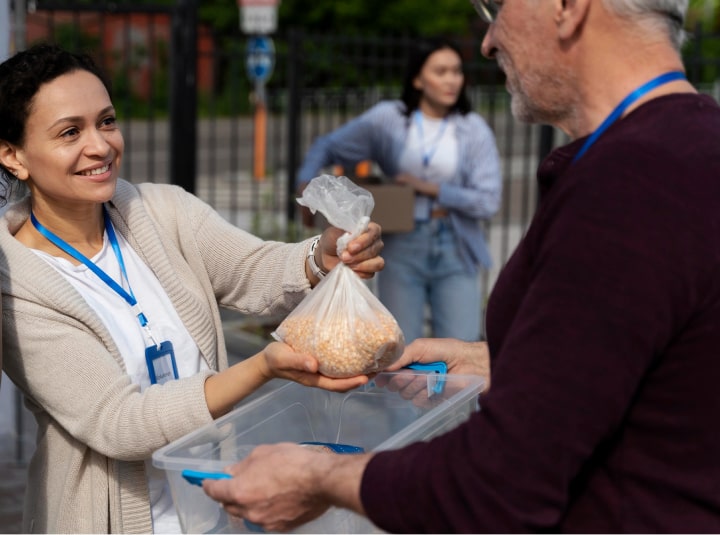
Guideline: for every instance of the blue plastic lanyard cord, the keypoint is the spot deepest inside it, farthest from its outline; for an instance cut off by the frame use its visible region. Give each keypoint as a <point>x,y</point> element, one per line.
<point>69,249</point>
<point>627,101</point>
<point>428,154</point>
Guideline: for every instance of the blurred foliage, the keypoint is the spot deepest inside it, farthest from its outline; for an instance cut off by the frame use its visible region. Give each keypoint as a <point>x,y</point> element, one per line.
<point>378,17</point>
<point>346,17</point>
<point>703,46</point>
<point>372,17</point>
<point>345,44</point>
<point>705,13</point>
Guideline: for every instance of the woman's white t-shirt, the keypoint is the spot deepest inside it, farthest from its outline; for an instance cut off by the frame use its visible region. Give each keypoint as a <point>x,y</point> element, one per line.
<point>131,338</point>
<point>436,140</point>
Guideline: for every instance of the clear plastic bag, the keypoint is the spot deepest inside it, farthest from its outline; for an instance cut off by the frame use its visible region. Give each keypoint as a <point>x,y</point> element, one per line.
<point>341,322</point>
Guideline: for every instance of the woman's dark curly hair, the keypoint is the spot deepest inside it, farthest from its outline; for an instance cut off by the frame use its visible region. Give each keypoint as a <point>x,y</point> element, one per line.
<point>21,76</point>
<point>416,60</point>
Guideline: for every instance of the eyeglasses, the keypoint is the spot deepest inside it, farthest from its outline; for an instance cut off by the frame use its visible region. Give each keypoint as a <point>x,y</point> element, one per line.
<point>487,9</point>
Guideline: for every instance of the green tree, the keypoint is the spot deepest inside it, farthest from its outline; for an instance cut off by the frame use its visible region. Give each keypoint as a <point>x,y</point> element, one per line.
<point>376,17</point>
<point>379,17</point>
<point>353,17</point>
<point>705,12</point>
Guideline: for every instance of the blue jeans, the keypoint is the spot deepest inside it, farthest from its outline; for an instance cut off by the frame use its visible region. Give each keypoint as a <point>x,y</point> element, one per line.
<point>422,267</point>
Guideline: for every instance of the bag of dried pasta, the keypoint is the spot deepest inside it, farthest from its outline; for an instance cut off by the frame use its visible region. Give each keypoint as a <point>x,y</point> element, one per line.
<point>341,322</point>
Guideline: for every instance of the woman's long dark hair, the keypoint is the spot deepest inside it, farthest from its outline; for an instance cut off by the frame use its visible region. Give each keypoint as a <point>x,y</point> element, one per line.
<point>416,60</point>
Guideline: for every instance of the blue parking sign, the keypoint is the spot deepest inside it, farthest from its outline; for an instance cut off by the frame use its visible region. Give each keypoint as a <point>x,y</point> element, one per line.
<point>260,58</point>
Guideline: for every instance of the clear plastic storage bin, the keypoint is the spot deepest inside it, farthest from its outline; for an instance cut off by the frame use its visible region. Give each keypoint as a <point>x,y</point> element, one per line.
<point>371,417</point>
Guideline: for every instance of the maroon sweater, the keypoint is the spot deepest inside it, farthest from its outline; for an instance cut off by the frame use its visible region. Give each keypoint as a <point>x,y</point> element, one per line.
<point>604,331</point>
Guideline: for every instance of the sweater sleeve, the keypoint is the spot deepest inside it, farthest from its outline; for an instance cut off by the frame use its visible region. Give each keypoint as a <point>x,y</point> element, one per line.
<point>68,370</point>
<point>246,273</point>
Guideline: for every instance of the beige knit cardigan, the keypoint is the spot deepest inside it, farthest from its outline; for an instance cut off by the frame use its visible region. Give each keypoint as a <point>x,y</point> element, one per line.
<point>95,428</point>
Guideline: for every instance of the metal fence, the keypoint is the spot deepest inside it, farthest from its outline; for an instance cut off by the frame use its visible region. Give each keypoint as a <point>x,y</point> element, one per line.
<point>194,127</point>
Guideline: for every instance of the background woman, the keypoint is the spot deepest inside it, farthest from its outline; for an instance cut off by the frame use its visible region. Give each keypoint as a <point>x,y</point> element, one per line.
<point>430,140</point>
<point>110,295</point>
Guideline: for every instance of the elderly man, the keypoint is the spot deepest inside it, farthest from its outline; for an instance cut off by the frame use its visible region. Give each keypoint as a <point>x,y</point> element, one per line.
<point>603,327</point>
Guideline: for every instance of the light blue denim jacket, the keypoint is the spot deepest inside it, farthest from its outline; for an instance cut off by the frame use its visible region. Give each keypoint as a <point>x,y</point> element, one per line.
<point>379,135</point>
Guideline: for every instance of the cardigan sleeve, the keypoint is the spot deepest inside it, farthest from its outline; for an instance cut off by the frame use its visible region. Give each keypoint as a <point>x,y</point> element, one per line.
<point>247,274</point>
<point>69,371</point>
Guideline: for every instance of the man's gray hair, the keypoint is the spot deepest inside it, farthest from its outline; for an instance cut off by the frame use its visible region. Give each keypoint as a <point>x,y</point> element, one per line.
<point>665,15</point>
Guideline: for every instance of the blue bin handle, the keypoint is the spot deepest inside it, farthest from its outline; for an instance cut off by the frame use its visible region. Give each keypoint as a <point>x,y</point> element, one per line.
<point>436,367</point>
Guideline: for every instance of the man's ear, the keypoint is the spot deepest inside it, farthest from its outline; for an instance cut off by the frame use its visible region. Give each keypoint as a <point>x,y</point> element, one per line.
<point>10,159</point>
<point>570,16</point>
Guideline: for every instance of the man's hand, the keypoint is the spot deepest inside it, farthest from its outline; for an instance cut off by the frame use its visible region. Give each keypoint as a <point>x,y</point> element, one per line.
<point>282,486</point>
<point>464,358</point>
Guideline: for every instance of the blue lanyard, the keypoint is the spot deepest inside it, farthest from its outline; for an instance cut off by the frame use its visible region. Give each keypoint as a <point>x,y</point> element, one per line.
<point>428,154</point>
<point>632,97</point>
<point>69,249</point>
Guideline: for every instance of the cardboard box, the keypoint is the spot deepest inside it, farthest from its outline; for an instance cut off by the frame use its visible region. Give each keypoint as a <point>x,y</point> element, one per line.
<point>394,207</point>
<point>369,417</point>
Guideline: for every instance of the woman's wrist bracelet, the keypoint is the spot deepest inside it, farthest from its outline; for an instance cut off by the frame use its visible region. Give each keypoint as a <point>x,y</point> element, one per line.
<point>314,267</point>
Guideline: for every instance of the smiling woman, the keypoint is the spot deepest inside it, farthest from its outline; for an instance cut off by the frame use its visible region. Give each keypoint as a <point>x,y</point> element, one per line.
<point>111,296</point>
<point>69,166</point>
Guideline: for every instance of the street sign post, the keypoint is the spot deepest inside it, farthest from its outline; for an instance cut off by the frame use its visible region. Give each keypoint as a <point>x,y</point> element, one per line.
<point>258,16</point>
<point>260,62</point>
<point>260,58</point>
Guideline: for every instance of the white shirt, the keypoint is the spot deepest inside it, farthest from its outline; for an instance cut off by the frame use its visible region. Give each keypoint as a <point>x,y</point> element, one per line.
<point>437,141</point>
<point>131,338</point>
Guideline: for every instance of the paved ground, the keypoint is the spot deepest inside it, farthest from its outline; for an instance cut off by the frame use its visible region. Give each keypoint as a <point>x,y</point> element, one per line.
<point>12,487</point>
